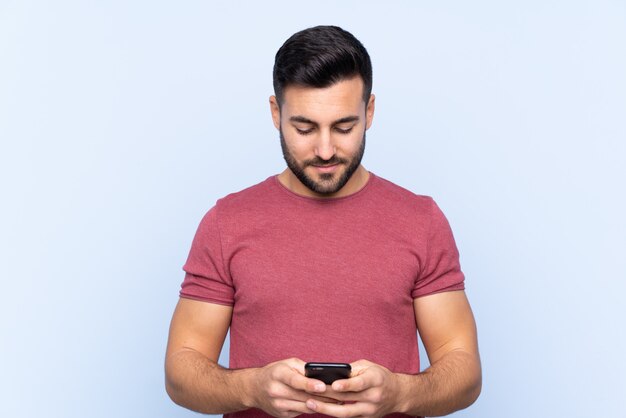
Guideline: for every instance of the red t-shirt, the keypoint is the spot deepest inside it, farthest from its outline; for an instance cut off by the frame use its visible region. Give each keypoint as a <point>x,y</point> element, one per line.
<point>322,279</point>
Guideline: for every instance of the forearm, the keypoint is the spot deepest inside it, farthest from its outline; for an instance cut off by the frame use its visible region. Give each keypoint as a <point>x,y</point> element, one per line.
<point>197,383</point>
<point>451,384</point>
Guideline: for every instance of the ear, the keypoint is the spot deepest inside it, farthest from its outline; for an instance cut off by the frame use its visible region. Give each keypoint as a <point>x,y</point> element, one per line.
<point>275,109</point>
<point>369,111</point>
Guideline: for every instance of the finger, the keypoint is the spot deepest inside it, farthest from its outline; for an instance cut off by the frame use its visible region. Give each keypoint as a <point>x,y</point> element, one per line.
<point>321,398</point>
<point>300,382</point>
<point>341,396</point>
<point>337,410</point>
<point>360,364</point>
<point>354,384</point>
<point>289,408</point>
<point>301,396</point>
<point>297,364</point>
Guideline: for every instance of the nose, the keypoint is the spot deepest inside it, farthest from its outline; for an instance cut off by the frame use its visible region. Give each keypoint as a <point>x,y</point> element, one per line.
<point>325,148</point>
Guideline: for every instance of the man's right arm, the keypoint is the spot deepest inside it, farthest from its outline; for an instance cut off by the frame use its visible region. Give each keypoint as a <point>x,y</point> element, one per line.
<point>194,380</point>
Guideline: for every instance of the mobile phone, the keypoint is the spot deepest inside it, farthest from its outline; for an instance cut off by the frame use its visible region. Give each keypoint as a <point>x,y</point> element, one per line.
<point>327,372</point>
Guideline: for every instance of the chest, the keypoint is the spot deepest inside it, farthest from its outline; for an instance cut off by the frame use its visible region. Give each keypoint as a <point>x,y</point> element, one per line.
<point>335,265</point>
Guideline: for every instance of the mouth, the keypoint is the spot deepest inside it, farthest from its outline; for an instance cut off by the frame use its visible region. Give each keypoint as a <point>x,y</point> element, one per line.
<point>326,168</point>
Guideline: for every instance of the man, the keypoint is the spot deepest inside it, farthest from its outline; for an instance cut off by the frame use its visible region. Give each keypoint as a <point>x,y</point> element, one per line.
<point>323,262</point>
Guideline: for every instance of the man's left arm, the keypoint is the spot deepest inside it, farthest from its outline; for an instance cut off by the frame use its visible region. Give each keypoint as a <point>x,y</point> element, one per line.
<point>452,382</point>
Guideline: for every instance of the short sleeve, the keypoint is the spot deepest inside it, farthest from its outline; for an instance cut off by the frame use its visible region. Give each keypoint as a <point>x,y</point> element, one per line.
<point>441,270</point>
<point>206,278</point>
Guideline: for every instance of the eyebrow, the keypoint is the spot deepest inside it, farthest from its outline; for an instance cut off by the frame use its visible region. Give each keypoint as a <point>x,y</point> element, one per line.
<point>302,119</point>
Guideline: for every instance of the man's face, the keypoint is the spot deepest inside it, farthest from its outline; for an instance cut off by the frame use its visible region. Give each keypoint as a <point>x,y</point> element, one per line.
<point>322,133</point>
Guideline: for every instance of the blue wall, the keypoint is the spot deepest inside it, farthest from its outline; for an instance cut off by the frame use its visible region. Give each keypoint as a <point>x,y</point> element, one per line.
<point>122,122</point>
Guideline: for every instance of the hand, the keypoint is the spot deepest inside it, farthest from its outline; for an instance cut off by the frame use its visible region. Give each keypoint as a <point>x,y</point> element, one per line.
<point>281,389</point>
<point>371,391</point>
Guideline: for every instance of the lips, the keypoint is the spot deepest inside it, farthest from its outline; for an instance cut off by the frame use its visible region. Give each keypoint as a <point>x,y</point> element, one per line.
<point>326,168</point>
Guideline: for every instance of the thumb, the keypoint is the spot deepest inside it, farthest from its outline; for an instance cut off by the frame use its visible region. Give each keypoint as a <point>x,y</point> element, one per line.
<point>296,364</point>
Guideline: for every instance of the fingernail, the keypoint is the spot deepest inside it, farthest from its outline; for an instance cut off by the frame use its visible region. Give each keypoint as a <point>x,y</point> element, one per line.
<point>320,387</point>
<point>338,386</point>
<point>311,405</point>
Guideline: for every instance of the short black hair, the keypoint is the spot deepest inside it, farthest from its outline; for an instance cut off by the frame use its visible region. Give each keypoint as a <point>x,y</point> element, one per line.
<point>320,57</point>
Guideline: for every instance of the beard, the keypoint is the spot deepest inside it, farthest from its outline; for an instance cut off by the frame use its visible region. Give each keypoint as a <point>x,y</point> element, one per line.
<point>328,183</point>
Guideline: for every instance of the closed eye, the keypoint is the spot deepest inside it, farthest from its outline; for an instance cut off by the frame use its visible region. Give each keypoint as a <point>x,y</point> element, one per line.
<point>339,130</point>
<point>304,132</point>
<point>344,131</point>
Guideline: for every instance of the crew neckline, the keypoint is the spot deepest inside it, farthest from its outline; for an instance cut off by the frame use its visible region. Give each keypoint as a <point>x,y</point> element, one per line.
<point>326,200</point>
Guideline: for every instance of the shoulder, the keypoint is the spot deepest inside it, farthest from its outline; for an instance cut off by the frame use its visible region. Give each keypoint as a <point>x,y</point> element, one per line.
<point>402,199</point>
<point>248,204</point>
<point>247,196</point>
